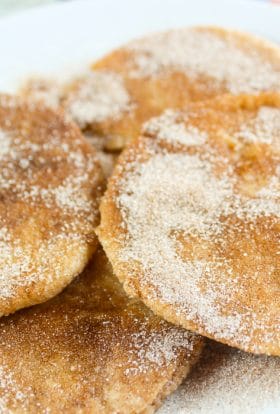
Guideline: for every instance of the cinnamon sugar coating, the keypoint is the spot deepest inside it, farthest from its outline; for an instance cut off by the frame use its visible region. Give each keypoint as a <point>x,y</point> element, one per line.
<point>91,349</point>
<point>190,219</point>
<point>50,187</point>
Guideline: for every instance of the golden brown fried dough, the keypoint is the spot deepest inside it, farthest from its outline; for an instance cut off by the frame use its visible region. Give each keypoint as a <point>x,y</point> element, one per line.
<point>50,187</point>
<point>190,220</point>
<point>168,70</point>
<point>160,71</point>
<point>91,350</point>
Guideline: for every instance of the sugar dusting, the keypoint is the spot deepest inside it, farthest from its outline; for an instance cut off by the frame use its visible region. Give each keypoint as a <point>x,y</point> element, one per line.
<point>68,195</point>
<point>264,128</point>
<point>228,381</point>
<point>159,207</point>
<point>99,95</point>
<point>20,268</point>
<point>5,144</point>
<point>204,53</point>
<point>94,96</point>
<point>172,195</point>
<point>43,90</point>
<point>168,127</point>
<point>134,356</point>
<point>158,349</point>
<point>8,387</point>
<point>103,339</point>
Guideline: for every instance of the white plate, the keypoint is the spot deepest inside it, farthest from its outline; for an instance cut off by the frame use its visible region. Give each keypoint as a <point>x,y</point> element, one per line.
<point>63,37</point>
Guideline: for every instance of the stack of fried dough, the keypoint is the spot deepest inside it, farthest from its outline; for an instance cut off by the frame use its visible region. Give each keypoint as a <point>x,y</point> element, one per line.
<point>139,231</point>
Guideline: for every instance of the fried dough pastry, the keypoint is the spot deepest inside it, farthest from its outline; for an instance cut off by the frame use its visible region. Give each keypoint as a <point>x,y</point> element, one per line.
<point>50,187</point>
<point>190,219</point>
<point>168,70</point>
<point>91,350</point>
<point>160,71</point>
<point>227,380</point>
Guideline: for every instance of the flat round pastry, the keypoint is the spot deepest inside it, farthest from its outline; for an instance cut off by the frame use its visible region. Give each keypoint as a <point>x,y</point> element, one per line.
<point>227,380</point>
<point>50,187</point>
<point>91,350</point>
<point>190,219</point>
<point>168,70</point>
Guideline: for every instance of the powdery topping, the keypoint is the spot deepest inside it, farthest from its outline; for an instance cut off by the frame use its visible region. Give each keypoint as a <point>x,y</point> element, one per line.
<point>10,266</point>
<point>69,195</point>
<point>66,194</point>
<point>194,206</point>
<point>173,195</point>
<point>204,53</point>
<point>5,146</point>
<point>145,352</point>
<point>43,90</point>
<point>98,96</point>
<point>94,97</point>
<point>267,200</point>
<point>228,381</point>
<point>21,265</point>
<point>176,193</point>
<point>264,128</point>
<point>8,387</point>
<point>168,127</point>
<point>102,342</point>
<point>157,348</point>
<point>148,350</point>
